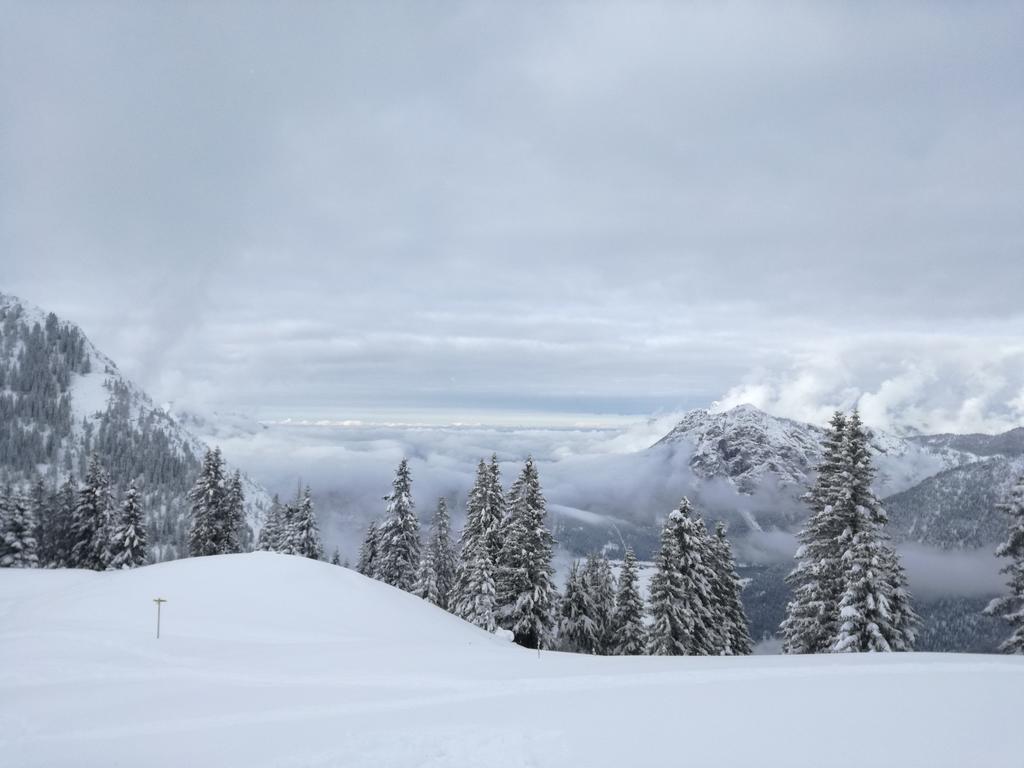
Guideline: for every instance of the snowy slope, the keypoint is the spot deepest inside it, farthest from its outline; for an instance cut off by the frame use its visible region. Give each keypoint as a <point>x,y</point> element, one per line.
<point>274,660</point>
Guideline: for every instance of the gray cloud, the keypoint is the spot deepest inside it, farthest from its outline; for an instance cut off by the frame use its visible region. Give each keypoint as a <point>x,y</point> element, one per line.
<point>346,211</point>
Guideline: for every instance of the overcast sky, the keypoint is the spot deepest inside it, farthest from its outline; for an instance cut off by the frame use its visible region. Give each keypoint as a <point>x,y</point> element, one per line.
<point>432,211</point>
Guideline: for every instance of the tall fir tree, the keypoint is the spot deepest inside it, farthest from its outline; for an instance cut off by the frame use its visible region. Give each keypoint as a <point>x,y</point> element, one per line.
<point>526,593</point>
<point>577,631</point>
<point>599,586</point>
<point>473,597</point>
<point>232,516</point>
<point>207,524</point>
<point>734,630</point>
<point>477,601</point>
<point>301,534</point>
<point>870,572</point>
<point>437,563</point>
<point>368,552</point>
<point>1011,606</point>
<point>399,535</point>
<point>128,533</point>
<point>811,618</point>
<point>59,526</point>
<point>91,521</point>
<point>629,634</point>
<point>269,539</point>
<point>697,580</point>
<point>18,546</point>
<point>669,633</point>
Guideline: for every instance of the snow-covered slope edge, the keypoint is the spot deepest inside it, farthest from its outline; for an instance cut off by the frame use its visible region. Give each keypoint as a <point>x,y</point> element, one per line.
<point>275,660</point>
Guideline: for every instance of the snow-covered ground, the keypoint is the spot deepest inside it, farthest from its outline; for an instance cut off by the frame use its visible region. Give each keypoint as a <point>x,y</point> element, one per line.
<point>269,660</point>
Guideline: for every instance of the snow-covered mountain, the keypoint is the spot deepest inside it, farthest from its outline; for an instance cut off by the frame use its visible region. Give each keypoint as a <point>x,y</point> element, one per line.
<point>749,448</point>
<point>956,509</point>
<point>61,399</point>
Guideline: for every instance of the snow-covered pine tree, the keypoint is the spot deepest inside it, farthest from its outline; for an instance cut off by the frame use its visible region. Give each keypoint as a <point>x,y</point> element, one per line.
<point>437,563</point>
<point>232,516</point>
<point>17,532</point>
<point>480,548</point>
<point>629,635</point>
<point>669,631</point>
<point>91,520</point>
<point>811,615</point>
<point>696,580</point>
<point>336,557</point>
<point>495,508</point>
<point>734,629</point>
<point>1011,606</point>
<point>368,552</point>
<point>302,535</point>
<point>526,594</point>
<point>45,513</point>
<point>270,533</point>
<point>398,538</point>
<point>477,600</point>
<point>904,618</point>
<point>206,525</point>
<point>599,586</point>
<point>60,535</point>
<point>866,621</point>
<point>577,631</point>
<point>128,533</point>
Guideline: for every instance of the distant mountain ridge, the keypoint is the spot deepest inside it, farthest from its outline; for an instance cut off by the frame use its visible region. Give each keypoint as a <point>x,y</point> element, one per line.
<point>749,447</point>
<point>61,399</point>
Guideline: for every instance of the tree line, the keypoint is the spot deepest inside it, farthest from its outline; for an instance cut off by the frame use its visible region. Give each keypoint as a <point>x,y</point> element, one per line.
<point>500,575</point>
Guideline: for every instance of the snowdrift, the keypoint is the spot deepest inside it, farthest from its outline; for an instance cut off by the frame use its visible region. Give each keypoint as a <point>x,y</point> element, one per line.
<point>274,660</point>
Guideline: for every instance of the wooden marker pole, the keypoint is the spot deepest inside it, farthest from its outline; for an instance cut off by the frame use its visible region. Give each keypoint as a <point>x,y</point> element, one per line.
<point>159,601</point>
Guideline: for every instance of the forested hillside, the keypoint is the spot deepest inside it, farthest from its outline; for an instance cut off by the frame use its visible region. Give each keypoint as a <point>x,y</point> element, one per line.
<point>62,400</point>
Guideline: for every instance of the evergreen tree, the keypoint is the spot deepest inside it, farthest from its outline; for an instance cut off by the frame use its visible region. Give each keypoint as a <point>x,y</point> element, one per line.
<point>904,619</point>
<point>629,635</point>
<point>697,580</point>
<point>398,539</point>
<point>128,533</point>
<point>43,506</point>
<point>91,521</point>
<point>437,565</point>
<point>526,593</point>
<point>868,576</point>
<point>577,631</point>
<point>18,546</point>
<point>599,586</point>
<point>302,535</point>
<point>270,534</point>
<point>473,597</point>
<point>1011,606</point>
<point>59,533</point>
<point>336,557</point>
<point>368,552</point>
<point>682,601</point>
<point>811,617</point>
<point>669,631</point>
<point>733,627</point>
<point>477,602</point>
<point>232,516</point>
<point>207,524</point>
